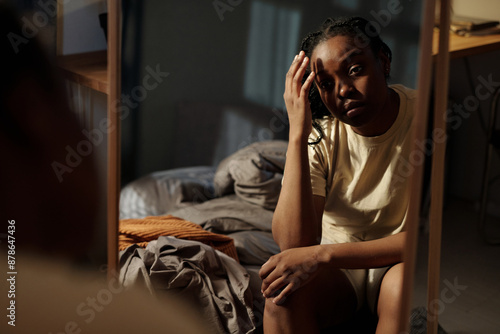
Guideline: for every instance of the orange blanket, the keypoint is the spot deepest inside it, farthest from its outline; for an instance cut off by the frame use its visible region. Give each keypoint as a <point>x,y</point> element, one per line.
<point>143,230</point>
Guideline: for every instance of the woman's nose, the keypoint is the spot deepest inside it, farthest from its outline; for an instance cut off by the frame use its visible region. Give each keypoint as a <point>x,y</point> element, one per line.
<point>344,89</point>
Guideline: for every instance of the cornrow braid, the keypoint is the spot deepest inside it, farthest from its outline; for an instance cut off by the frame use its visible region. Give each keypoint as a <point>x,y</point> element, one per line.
<point>362,31</point>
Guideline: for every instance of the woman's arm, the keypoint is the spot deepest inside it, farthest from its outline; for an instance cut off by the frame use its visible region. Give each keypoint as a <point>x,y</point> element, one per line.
<point>295,267</point>
<point>365,254</point>
<point>295,221</point>
<point>297,218</point>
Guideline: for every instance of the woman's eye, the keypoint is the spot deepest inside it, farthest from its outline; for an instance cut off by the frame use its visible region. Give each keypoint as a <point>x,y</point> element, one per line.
<point>325,85</point>
<point>355,70</point>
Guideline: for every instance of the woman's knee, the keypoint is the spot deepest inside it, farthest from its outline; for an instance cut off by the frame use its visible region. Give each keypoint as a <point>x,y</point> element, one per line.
<point>288,314</point>
<point>329,299</point>
<point>391,289</point>
<point>294,302</point>
<point>272,310</point>
<point>393,280</point>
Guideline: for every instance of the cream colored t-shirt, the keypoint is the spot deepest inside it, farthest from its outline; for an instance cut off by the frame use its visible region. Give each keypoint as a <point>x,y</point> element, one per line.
<point>364,179</point>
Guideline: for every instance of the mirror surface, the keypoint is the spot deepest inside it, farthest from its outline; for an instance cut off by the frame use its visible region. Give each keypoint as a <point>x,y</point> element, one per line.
<point>201,80</point>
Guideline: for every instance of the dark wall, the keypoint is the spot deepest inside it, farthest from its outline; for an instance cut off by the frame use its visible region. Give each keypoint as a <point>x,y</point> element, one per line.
<point>206,53</point>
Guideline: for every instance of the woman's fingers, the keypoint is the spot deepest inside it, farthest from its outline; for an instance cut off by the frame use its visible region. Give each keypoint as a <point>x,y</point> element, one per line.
<point>266,268</point>
<point>299,74</point>
<point>268,275</point>
<point>295,73</point>
<point>284,293</point>
<point>307,84</point>
<point>292,71</point>
<point>282,287</point>
<point>296,96</point>
<point>272,287</point>
<point>286,272</point>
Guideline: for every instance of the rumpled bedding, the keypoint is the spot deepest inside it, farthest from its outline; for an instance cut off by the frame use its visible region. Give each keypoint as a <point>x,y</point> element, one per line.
<point>141,231</point>
<point>197,272</point>
<point>254,173</point>
<point>246,187</point>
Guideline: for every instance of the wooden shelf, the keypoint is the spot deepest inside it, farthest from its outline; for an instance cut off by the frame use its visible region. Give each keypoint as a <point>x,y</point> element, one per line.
<point>88,69</point>
<point>467,46</point>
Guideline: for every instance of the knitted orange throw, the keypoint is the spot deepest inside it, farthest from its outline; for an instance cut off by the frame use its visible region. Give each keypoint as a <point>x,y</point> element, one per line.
<point>142,231</point>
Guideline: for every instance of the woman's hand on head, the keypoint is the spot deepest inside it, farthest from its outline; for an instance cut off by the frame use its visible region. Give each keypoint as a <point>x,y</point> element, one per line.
<point>296,97</point>
<point>287,271</point>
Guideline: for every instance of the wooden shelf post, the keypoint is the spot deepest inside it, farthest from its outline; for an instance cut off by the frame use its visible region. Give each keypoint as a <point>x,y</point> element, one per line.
<point>438,164</point>
<point>114,80</point>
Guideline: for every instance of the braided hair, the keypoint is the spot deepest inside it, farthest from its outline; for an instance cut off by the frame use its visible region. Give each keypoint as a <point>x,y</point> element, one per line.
<point>363,33</point>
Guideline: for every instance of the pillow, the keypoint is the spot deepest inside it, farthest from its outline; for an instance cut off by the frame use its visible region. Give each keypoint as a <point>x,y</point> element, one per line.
<point>254,173</point>
<point>158,193</point>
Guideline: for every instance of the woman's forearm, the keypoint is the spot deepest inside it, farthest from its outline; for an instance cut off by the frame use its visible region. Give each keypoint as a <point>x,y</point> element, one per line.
<point>295,221</point>
<point>365,254</point>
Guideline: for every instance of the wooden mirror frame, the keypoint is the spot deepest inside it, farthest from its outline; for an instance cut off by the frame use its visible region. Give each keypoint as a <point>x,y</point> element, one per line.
<point>441,81</point>
<point>419,131</point>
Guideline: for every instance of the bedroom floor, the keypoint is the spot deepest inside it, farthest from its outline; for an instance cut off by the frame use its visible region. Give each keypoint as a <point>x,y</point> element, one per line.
<point>468,264</point>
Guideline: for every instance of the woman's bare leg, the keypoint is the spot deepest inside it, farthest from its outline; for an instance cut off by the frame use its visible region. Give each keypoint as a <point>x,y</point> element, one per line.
<point>389,300</point>
<point>328,300</point>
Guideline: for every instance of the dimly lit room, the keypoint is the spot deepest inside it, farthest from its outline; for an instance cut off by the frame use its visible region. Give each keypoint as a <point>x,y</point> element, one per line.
<point>251,166</point>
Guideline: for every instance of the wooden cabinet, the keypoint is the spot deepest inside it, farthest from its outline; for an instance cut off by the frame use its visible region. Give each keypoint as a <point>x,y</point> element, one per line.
<point>100,71</point>
<point>86,69</point>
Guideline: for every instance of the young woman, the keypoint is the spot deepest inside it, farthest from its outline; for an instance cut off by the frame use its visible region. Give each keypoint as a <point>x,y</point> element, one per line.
<point>340,217</point>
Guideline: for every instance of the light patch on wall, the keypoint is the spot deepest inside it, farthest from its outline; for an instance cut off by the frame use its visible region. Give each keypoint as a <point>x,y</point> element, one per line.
<point>484,9</point>
<point>233,126</point>
<point>272,44</point>
<point>351,5</point>
<point>81,31</point>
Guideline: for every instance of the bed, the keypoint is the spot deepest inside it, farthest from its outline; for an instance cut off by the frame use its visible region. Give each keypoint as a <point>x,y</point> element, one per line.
<point>203,232</point>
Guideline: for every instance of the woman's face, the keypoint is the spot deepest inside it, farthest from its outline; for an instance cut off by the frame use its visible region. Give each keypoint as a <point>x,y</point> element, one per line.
<point>351,82</point>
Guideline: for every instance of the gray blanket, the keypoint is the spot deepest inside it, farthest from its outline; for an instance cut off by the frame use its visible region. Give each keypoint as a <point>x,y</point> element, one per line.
<point>254,173</point>
<point>213,281</point>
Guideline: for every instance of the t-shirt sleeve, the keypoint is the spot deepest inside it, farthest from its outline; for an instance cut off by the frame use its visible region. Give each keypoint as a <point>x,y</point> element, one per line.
<point>318,170</point>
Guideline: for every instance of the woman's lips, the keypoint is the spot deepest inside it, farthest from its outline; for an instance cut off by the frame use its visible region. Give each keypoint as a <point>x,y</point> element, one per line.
<point>354,109</point>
